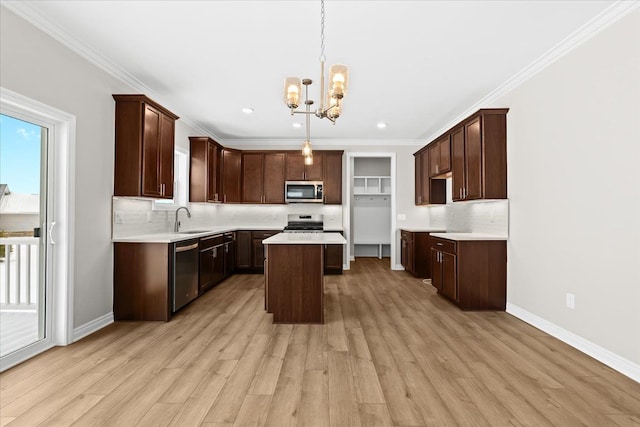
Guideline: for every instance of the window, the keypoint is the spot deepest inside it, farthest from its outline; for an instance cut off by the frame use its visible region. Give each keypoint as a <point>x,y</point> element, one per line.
<point>180,182</point>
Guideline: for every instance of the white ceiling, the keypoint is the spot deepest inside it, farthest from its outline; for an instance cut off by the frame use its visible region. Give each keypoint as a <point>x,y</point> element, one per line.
<point>416,65</point>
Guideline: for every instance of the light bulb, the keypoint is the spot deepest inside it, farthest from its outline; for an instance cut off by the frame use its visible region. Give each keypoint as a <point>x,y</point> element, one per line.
<point>306,149</point>
<point>308,160</point>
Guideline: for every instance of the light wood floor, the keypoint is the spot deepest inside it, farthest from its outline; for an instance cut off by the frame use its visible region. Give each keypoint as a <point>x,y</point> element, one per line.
<point>392,352</point>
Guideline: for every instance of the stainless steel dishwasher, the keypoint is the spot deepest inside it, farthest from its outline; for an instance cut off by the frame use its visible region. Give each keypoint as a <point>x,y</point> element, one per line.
<point>185,273</point>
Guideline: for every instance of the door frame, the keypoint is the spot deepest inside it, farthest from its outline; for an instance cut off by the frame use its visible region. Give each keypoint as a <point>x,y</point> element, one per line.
<point>60,219</point>
<point>347,206</point>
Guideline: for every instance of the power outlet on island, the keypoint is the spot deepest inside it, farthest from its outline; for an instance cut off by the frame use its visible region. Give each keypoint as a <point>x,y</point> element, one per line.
<point>571,301</point>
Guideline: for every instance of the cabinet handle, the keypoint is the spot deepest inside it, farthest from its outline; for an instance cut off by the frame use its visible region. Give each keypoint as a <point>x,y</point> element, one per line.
<point>465,192</point>
<point>460,192</point>
<point>437,168</point>
<point>225,198</point>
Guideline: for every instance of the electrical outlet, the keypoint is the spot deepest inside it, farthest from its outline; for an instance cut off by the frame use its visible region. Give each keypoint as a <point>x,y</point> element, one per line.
<point>402,217</point>
<point>571,301</point>
<point>117,217</point>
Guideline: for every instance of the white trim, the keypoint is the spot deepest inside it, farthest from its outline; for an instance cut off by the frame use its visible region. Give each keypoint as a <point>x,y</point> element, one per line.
<point>620,364</point>
<point>62,196</point>
<point>92,326</point>
<point>597,24</point>
<point>319,143</point>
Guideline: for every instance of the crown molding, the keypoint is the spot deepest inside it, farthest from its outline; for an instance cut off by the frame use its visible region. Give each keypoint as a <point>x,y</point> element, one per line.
<point>591,28</point>
<point>296,143</point>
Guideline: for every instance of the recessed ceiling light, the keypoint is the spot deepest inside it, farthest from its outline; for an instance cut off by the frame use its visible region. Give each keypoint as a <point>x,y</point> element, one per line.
<point>381,125</point>
<point>247,110</point>
<point>297,125</point>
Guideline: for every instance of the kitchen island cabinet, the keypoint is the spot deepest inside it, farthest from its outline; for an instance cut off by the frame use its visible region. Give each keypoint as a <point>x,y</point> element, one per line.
<point>294,283</point>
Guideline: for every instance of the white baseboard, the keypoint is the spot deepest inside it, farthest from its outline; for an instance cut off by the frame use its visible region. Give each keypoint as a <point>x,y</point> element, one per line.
<point>620,364</point>
<point>92,326</point>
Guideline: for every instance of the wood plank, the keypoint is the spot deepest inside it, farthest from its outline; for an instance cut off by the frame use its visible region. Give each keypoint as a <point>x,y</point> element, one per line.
<point>343,407</point>
<point>314,402</point>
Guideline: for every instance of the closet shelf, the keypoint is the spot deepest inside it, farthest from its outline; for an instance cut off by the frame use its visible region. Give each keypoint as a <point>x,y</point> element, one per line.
<point>367,185</point>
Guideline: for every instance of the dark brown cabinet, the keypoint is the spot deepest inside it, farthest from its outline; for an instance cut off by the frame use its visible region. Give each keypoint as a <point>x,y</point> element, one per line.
<point>229,253</point>
<point>250,250</point>
<point>333,255</point>
<point>263,176</point>
<point>472,274</point>
<point>298,171</point>
<point>231,176</point>
<point>414,253</point>
<point>440,156</point>
<point>212,261</point>
<point>428,191</point>
<point>204,171</point>
<point>332,177</point>
<point>144,148</point>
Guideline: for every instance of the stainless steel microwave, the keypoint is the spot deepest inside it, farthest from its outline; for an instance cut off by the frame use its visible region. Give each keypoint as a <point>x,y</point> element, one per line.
<point>303,191</point>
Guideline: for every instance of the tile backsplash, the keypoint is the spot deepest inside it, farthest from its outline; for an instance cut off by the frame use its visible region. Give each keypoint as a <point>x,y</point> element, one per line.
<point>487,216</point>
<point>137,216</point>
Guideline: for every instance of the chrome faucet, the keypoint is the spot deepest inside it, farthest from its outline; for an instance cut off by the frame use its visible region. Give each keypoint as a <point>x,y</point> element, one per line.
<point>176,227</point>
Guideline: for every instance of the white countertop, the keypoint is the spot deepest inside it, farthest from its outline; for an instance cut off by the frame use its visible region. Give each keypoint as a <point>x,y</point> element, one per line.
<point>468,236</point>
<point>423,230</point>
<point>305,239</point>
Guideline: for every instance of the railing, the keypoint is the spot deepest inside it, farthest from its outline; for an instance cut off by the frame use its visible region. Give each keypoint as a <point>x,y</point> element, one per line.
<point>19,276</point>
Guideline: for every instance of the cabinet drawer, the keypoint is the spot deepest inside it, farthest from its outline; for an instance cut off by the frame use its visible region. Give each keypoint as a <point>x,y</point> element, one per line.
<point>443,245</point>
<point>406,235</point>
<point>210,241</point>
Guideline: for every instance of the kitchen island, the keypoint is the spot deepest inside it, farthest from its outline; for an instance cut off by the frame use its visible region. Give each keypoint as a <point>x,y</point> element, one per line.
<point>294,282</point>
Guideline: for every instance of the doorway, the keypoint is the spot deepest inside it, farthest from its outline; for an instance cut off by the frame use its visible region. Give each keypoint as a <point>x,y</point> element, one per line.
<point>372,205</point>
<point>36,200</point>
<point>23,249</point>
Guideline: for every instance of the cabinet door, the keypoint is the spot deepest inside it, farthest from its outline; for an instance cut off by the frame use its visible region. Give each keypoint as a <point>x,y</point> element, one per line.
<point>458,164</point>
<point>473,156</point>
<point>258,253</point>
<point>295,167</point>
<point>274,174</point>
<point>206,268</point>
<point>252,177</point>
<point>449,278</point>
<point>151,185</point>
<point>217,253</point>
<point>436,270</point>
<point>314,172</point>
<point>418,179</point>
<point>403,254</point>
<point>243,249</point>
<point>229,258</point>
<point>332,258</point>
<point>424,170</point>
<point>444,148</point>
<point>167,136</point>
<point>434,158</point>
<point>212,173</point>
<point>231,170</point>
<point>332,178</point>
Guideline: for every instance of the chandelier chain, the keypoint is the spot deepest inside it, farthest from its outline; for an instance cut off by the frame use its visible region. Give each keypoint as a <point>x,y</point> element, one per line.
<point>323,58</point>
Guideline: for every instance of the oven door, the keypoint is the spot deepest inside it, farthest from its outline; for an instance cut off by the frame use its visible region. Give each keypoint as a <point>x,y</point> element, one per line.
<point>303,192</point>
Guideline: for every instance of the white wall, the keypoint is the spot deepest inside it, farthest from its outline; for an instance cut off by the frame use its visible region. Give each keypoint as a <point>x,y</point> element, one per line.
<point>574,190</point>
<point>35,65</point>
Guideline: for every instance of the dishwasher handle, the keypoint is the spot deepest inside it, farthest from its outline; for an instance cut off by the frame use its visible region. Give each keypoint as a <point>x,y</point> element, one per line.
<point>186,248</point>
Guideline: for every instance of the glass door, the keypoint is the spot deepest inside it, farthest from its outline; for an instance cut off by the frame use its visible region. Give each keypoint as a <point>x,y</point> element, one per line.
<point>23,233</point>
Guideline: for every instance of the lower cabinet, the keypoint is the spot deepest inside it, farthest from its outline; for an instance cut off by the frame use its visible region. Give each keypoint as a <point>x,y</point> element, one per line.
<point>250,250</point>
<point>414,253</point>
<point>333,259</point>
<point>471,273</point>
<point>211,261</point>
<point>229,253</point>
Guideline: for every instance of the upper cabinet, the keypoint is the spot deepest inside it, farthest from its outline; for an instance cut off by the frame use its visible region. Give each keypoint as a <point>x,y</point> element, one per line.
<point>332,177</point>
<point>480,157</point>
<point>428,191</point>
<point>298,171</point>
<point>263,176</point>
<point>440,156</point>
<point>204,172</point>
<point>473,153</point>
<point>231,175</point>
<point>144,149</point>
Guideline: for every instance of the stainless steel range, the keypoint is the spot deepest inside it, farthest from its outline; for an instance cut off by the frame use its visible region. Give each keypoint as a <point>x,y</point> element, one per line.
<point>303,223</point>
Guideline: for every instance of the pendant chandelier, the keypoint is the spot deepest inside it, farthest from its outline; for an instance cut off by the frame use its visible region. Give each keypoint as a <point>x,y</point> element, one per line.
<point>330,102</point>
